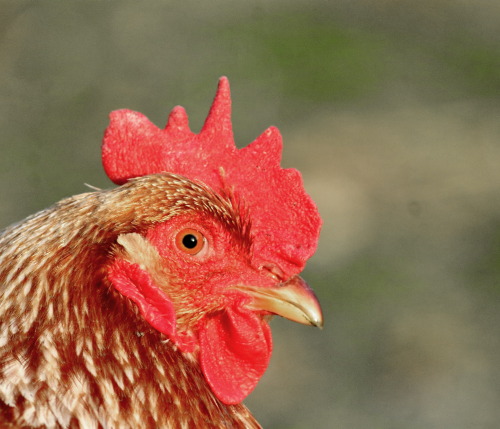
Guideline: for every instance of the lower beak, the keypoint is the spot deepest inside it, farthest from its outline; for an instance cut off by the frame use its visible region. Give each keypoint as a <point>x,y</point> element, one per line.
<point>294,300</point>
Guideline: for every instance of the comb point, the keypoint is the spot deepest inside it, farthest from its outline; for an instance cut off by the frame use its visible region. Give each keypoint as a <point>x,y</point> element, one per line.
<point>218,122</point>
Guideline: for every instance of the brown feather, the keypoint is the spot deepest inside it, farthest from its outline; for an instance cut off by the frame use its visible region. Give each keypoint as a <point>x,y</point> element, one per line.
<point>76,353</point>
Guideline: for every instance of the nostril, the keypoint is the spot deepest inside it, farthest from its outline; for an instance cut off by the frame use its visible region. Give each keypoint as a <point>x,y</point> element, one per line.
<point>273,270</point>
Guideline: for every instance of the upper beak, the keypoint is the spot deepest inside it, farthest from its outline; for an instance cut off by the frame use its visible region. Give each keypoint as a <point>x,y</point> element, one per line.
<point>293,299</point>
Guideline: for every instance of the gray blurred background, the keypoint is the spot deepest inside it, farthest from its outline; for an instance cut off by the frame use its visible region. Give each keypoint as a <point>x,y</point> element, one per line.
<point>391,110</point>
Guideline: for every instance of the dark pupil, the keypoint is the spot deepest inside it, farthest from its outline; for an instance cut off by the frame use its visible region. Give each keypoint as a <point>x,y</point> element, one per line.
<point>189,241</point>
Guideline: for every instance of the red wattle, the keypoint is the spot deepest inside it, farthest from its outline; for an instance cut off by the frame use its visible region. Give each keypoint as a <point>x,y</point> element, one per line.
<point>235,348</point>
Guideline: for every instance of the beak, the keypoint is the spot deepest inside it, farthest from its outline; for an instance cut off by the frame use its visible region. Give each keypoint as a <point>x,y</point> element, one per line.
<point>294,300</point>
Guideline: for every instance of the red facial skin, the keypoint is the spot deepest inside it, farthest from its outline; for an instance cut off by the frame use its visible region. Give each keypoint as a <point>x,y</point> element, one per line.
<point>198,308</point>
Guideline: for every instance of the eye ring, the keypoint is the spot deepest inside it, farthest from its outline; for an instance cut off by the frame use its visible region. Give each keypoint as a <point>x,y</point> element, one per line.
<point>190,241</point>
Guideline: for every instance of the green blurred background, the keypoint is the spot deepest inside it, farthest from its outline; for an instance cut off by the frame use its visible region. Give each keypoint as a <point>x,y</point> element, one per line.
<point>391,110</point>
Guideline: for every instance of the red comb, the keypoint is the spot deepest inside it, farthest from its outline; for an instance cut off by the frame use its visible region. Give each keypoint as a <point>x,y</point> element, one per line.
<point>285,221</point>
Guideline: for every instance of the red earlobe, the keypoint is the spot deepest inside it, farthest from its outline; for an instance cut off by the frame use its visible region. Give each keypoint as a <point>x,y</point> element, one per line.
<point>136,284</point>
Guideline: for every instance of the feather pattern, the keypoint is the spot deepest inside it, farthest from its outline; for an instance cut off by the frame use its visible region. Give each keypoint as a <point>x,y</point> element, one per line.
<point>76,353</point>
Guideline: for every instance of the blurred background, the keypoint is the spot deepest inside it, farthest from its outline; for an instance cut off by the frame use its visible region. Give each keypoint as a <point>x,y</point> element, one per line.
<point>391,111</point>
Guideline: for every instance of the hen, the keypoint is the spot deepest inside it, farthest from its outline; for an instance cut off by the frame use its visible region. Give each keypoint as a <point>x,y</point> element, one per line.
<point>147,305</point>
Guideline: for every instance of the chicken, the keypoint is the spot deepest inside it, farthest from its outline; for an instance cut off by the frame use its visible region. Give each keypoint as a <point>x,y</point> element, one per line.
<point>148,305</point>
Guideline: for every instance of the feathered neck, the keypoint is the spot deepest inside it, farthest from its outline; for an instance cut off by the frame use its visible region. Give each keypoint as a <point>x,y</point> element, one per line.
<point>72,349</point>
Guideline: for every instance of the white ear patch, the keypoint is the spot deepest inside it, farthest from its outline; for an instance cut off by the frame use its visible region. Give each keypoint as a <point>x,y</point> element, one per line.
<point>140,251</point>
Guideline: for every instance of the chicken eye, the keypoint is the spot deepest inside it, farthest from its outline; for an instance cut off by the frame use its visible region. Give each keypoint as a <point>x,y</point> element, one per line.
<point>190,241</point>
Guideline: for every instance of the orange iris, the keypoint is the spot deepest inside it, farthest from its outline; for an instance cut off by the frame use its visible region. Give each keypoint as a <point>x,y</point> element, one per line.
<point>190,241</point>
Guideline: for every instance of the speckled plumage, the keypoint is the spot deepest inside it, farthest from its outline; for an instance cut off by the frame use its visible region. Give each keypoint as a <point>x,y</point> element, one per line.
<point>75,353</point>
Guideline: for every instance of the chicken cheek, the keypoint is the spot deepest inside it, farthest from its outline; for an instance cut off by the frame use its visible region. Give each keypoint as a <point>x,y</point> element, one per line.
<point>235,348</point>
